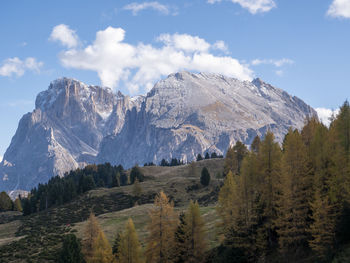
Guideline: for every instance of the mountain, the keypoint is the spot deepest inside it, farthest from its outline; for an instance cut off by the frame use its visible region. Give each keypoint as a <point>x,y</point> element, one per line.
<point>74,124</point>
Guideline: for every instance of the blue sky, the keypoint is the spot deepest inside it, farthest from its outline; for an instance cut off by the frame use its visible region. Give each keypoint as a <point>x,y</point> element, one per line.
<point>299,46</point>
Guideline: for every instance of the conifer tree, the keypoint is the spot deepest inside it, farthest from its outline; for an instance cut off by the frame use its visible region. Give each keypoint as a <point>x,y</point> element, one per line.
<point>71,250</point>
<point>238,207</point>
<point>323,212</point>
<point>255,144</point>
<point>182,238</point>
<point>269,170</point>
<point>227,198</point>
<point>162,227</point>
<point>92,231</point>
<point>18,205</point>
<point>322,228</point>
<point>5,202</point>
<point>205,177</point>
<point>234,158</point>
<point>129,250</point>
<point>102,250</point>
<point>295,188</point>
<point>195,233</point>
<point>116,245</point>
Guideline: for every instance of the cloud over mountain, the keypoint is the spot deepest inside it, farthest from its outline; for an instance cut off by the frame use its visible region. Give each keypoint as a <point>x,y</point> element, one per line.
<point>139,66</point>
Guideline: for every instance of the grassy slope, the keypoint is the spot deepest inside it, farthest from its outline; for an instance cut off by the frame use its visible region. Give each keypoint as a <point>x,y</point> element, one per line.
<point>40,234</point>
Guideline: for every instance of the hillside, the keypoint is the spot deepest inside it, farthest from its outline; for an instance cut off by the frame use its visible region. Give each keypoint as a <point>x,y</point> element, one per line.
<point>37,237</point>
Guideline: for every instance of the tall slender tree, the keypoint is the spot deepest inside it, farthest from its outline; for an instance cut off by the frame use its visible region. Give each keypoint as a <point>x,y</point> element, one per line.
<point>196,242</point>
<point>102,250</point>
<point>295,195</point>
<point>269,170</point>
<point>92,231</point>
<point>129,250</point>
<point>162,228</point>
<point>234,158</point>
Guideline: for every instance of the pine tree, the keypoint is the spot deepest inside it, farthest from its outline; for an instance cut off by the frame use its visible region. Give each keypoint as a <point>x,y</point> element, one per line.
<point>207,156</point>
<point>181,251</point>
<point>294,189</point>
<point>102,251</point>
<point>205,177</point>
<point>116,245</point>
<point>199,157</point>
<point>92,231</point>
<point>136,174</point>
<point>129,250</point>
<point>234,158</point>
<point>71,250</point>
<point>162,227</point>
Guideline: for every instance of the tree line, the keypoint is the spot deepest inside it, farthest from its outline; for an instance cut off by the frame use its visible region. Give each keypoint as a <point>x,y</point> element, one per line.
<point>60,190</point>
<point>171,238</point>
<point>289,202</point>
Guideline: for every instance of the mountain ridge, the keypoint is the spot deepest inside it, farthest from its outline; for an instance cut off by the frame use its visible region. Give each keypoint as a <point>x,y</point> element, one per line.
<point>74,124</point>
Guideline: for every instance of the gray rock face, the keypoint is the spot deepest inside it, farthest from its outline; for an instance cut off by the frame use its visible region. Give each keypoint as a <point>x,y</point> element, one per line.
<point>185,114</point>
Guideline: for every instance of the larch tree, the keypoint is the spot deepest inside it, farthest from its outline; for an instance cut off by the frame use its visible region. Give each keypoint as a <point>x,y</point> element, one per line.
<point>92,230</point>
<point>102,250</point>
<point>269,170</point>
<point>162,226</point>
<point>195,233</point>
<point>246,219</point>
<point>129,250</point>
<point>234,158</point>
<point>227,199</point>
<point>323,214</point>
<point>295,193</point>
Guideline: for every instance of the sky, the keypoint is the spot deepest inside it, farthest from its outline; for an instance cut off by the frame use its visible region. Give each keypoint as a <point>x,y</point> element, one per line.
<point>299,46</point>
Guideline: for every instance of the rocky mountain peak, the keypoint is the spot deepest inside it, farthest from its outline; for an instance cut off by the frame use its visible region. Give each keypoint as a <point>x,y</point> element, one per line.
<point>74,124</point>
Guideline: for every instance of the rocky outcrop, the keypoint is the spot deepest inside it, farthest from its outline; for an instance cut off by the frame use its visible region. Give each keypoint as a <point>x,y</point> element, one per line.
<point>185,114</point>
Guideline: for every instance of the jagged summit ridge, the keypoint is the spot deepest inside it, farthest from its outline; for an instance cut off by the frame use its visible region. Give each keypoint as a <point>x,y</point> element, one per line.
<point>74,124</point>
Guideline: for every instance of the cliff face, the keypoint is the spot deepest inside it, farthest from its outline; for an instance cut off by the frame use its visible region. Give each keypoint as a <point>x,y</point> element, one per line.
<point>74,124</point>
<point>187,114</point>
<point>62,133</point>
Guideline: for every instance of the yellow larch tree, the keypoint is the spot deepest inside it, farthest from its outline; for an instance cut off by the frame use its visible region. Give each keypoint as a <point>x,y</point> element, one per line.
<point>162,226</point>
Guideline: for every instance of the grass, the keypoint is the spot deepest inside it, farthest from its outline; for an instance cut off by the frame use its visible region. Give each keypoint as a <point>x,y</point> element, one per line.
<point>38,237</point>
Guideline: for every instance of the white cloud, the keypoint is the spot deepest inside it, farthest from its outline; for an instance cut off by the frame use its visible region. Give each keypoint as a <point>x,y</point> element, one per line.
<point>66,36</point>
<point>325,114</point>
<point>140,66</point>
<point>1,157</point>
<point>135,8</point>
<point>16,66</point>
<point>220,45</point>
<point>253,6</point>
<point>339,8</point>
<point>276,62</point>
<point>184,42</point>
